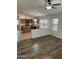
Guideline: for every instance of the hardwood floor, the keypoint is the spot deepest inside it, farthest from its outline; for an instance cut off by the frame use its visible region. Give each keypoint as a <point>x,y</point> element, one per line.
<point>47,45</point>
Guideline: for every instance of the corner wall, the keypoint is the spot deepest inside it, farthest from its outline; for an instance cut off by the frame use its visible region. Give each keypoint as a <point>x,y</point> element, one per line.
<point>42,31</point>
<point>59,32</point>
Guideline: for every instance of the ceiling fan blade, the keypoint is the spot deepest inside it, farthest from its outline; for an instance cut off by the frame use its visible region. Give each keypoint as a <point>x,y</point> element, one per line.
<point>54,7</point>
<point>56,4</point>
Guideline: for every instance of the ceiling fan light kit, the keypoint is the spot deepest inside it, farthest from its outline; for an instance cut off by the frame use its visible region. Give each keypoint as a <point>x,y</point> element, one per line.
<point>48,7</point>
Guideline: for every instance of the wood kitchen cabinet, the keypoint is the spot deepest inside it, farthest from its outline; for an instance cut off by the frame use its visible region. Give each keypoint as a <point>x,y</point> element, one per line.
<point>25,25</point>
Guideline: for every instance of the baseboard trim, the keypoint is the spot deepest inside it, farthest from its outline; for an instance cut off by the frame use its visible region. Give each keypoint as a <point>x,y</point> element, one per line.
<point>56,36</point>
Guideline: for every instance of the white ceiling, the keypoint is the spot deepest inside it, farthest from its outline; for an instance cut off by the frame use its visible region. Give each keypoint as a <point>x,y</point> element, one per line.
<point>36,8</point>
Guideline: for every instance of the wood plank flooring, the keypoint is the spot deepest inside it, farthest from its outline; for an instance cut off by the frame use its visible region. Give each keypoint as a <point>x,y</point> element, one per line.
<point>47,45</point>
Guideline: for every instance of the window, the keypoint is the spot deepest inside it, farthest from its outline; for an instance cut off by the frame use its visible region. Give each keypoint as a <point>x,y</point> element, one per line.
<point>55,24</point>
<point>43,23</point>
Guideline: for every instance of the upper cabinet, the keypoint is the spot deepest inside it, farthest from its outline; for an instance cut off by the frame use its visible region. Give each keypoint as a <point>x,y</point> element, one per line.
<point>27,24</point>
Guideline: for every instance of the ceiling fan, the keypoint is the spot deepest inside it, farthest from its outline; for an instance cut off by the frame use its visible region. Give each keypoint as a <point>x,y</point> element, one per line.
<point>50,4</point>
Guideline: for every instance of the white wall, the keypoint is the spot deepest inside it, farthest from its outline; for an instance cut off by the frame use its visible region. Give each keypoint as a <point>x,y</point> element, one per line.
<point>42,31</point>
<point>18,36</point>
<point>59,32</point>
